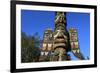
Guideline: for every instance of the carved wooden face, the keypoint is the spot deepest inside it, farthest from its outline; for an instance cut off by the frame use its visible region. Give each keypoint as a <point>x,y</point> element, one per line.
<point>74,37</point>
<point>60,18</point>
<point>48,36</point>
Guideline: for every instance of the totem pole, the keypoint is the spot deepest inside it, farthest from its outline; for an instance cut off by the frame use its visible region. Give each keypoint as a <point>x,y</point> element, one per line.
<point>61,38</point>
<point>47,46</point>
<point>57,43</point>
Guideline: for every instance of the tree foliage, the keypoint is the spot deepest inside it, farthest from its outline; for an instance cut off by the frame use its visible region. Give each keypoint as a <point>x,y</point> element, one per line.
<point>30,48</point>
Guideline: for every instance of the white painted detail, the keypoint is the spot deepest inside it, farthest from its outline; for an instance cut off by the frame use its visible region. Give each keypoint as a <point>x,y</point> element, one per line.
<point>74,51</point>
<point>78,51</point>
<point>42,53</point>
<point>46,53</point>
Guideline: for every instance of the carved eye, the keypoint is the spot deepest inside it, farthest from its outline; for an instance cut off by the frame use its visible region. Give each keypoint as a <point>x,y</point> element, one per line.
<point>76,44</point>
<point>49,45</point>
<point>44,45</point>
<point>74,34</point>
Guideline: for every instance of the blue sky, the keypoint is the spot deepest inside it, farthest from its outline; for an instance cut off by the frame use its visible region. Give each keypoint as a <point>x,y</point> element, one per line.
<point>37,21</point>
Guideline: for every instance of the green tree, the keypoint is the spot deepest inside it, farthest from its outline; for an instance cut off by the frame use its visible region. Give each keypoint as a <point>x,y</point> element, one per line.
<point>30,49</point>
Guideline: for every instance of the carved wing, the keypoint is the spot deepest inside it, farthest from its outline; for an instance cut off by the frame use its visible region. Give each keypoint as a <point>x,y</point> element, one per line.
<point>75,44</point>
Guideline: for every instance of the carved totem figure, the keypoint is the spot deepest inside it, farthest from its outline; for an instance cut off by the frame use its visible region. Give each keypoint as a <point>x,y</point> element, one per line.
<point>58,43</point>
